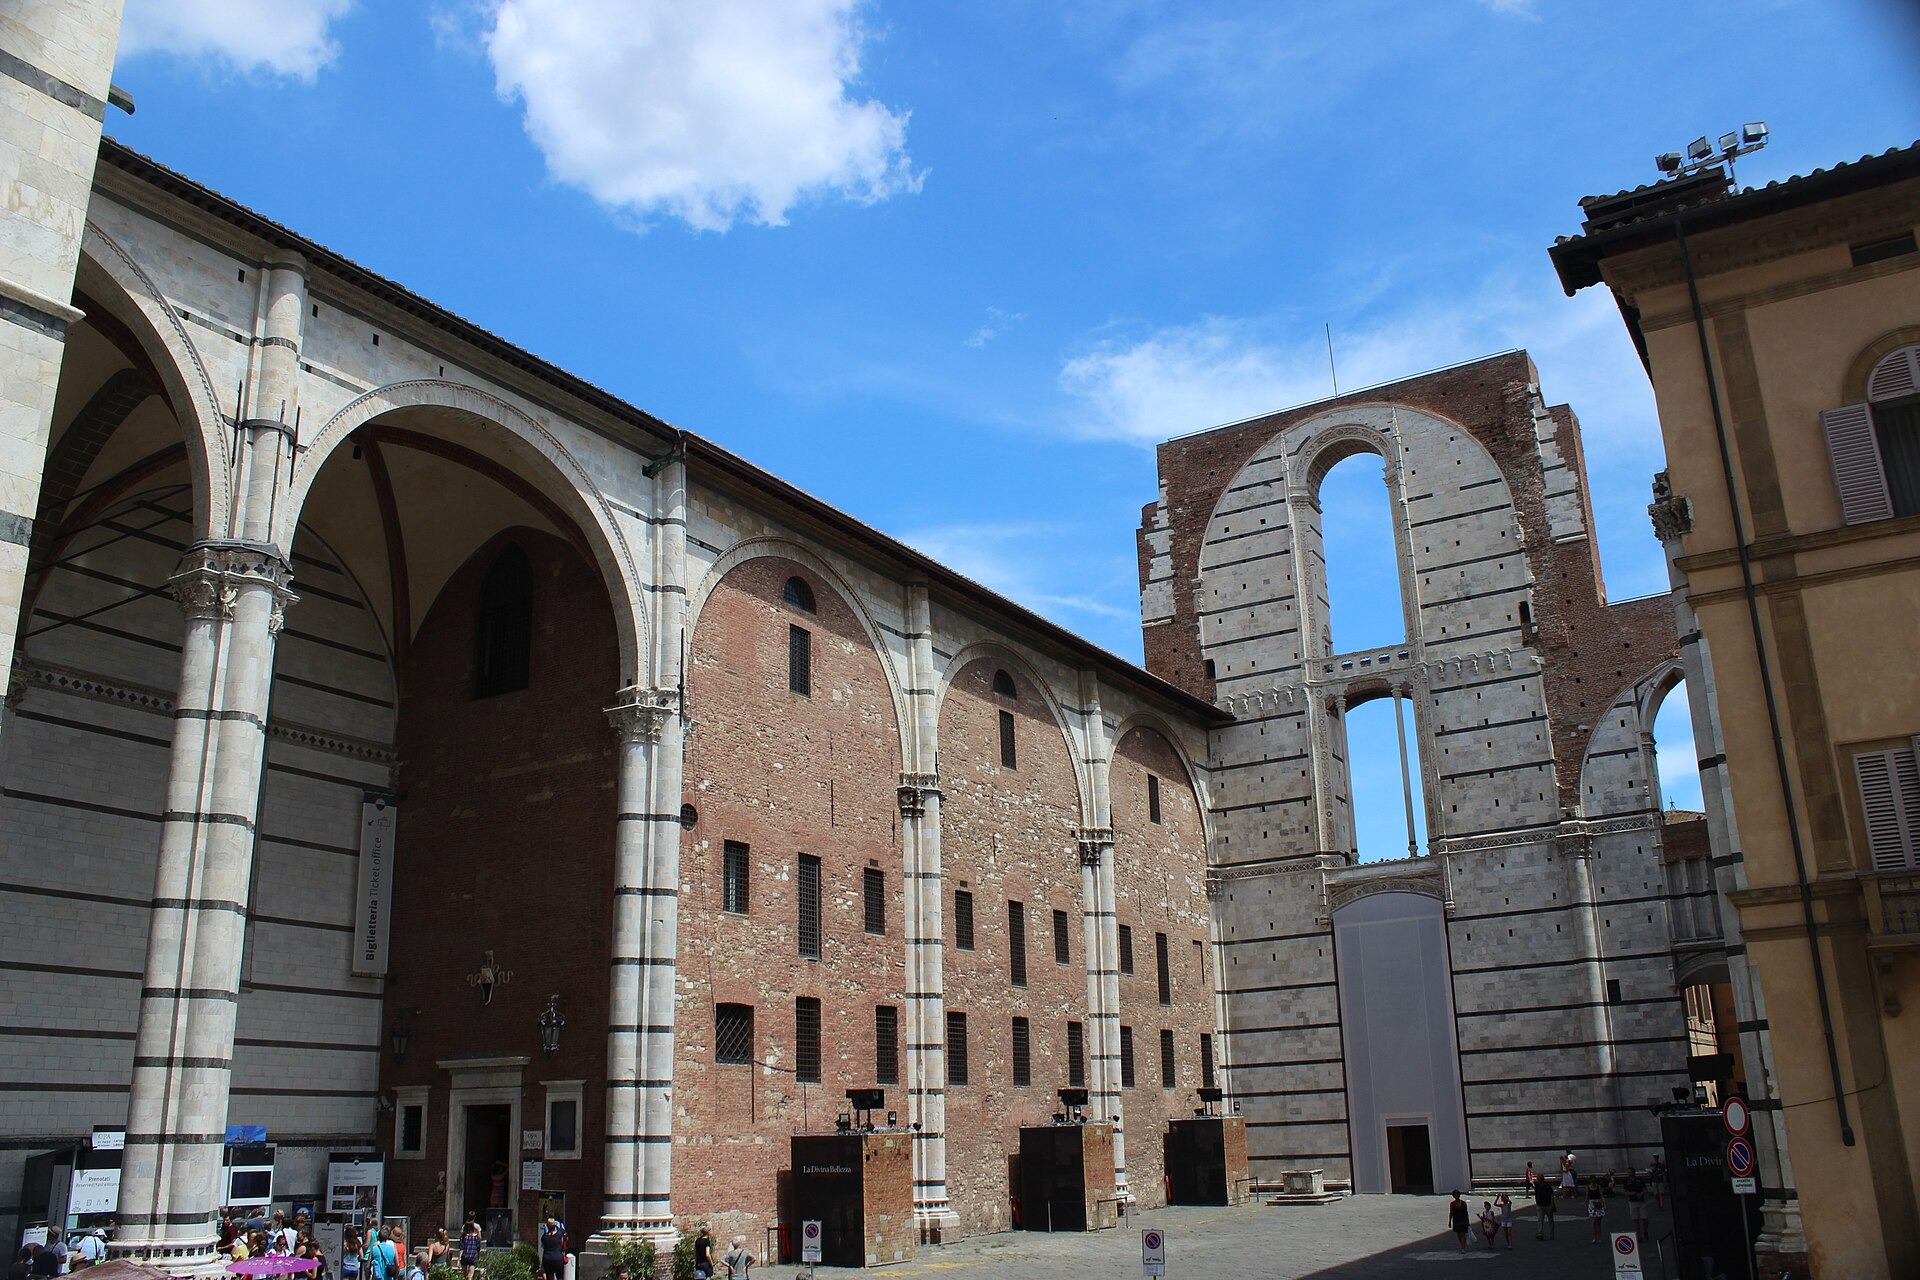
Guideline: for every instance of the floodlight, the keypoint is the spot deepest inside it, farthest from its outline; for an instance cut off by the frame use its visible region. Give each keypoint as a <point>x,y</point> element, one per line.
<point>866,1099</point>
<point>1669,162</point>
<point>1728,141</point>
<point>1754,134</point>
<point>1699,149</point>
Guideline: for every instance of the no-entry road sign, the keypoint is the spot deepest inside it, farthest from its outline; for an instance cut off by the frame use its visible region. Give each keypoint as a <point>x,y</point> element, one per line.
<point>1736,1117</point>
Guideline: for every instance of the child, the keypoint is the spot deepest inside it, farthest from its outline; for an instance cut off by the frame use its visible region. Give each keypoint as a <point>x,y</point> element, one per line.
<point>1489,1224</point>
<point>1503,1205</point>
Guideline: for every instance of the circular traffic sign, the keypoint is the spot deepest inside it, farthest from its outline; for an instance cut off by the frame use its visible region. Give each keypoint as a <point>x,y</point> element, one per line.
<point>811,1230</point>
<point>1624,1245</point>
<point>1152,1239</point>
<point>1736,1116</point>
<point>1740,1157</point>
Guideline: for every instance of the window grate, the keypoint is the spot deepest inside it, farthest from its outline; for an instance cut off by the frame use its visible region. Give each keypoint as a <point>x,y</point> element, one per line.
<point>733,1033</point>
<point>1017,942</point>
<point>563,1125</point>
<point>413,1122</point>
<point>1206,1062</point>
<point>1169,1070</point>
<point>1022,1053</point>
<point>956,1048</point>
<point>873,883</point>
<point>1061,951</point>
<point>886,1044</point>
<point>800,660</point>
<point>1165,969</point>
<point>1006,741</point>
<point>1076,1056</point>
<point>806,1039</point>
<point>1153,798</point>
<point>1126,1058</point>
<point>809,904</point>
<point>962,920</point>
<point>798,594</point>
<point>1126,948</point>
<point>733,877</point>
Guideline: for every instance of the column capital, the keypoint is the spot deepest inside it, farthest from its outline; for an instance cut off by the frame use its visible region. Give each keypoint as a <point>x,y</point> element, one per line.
<point>1671,513</point>
<point>213,574</point>
<point>638,714</point>
<point>914,792</point>
<point>1094,843</point>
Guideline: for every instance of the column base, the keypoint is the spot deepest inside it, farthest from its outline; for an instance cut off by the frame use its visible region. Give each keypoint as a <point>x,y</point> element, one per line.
<point>595,1259</point>
<point>1781,1249</point>
<point>175,1257</point>
<point>935,1222</point>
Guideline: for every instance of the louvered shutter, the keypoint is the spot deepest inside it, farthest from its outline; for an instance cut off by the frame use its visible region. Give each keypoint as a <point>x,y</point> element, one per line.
<point>1857,474</point>
<point>1895,376</point>
<point>1890,799</point>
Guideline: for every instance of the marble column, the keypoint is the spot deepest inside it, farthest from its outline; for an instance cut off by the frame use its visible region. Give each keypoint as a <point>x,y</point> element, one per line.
<point>1100,934</point>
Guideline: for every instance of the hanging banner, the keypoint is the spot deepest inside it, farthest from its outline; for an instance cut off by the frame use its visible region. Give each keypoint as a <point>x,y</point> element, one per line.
<point>379,815</point>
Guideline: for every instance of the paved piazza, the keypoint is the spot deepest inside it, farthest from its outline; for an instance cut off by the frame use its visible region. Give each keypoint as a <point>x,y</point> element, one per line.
<point>1359,1237</point>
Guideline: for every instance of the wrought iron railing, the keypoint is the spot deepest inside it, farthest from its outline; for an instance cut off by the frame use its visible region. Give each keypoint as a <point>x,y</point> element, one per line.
<point>1899,896</point>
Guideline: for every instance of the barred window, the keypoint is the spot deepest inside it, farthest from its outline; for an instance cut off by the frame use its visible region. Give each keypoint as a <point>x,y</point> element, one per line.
<point>963,920</point>
<point>1022,1053</point>
<point>809,904</point>
<point>1153,798</point>
<point>1003,685</point>
<point>874,888</point>
<point>1206,1062</point>
<point>1076,1056</point>
<point>1007,756</point>
<point>1061,952</point>
<point>956,1048</point>
<point>733,877</point>
<point>886,1044</point>
<point>413,1123</point>
<point>1126,1057</point>
<point>1169,1069</point>
<point>800,660</point>
<point>1017,941</point>
<point>1166,972</point>
<point>733,1033</point>
<point>806,1039</point>
<point>1126,948</point>
<point>798,594</point>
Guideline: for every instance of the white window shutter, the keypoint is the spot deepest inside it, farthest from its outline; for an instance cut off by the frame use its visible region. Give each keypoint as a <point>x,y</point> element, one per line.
<point>1855,453</point>
<point>1890,800</point>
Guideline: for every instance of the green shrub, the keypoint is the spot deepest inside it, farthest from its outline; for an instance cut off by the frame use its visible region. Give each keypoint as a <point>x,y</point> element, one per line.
<point>683,1253</point>
<point>443,1272</point>
<point>639,1257</point>
<point>505,1264</point>
<point>525,1251</point>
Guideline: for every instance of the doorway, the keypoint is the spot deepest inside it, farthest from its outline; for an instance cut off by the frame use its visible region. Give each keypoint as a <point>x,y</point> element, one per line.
<point>489,1137</point>
<point>1410,1159</point>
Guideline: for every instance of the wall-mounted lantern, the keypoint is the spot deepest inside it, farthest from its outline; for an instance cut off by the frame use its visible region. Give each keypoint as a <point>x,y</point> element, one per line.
<point>551,1023</point>
<point>489,976</point>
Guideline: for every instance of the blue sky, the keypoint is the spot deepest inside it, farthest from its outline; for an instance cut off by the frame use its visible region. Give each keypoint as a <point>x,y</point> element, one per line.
<point>955,267</point>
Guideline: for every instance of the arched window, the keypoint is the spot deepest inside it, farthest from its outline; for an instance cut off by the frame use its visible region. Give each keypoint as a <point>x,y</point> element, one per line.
<point>1359,557</point>
<point>1003,685</point>
<point>798,594</point>
<point>503,630</point>
<point>1875,447</point>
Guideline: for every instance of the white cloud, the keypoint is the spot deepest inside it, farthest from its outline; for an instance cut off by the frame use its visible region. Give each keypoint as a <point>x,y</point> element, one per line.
<point>997,323</point>
<point>287,38</point>
<point>1048,569</point>
<point>1514,8</point>
<point>710,111</point>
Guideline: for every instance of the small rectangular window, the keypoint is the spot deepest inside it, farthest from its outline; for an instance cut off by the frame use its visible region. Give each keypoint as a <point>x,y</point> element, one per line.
<point>1006,740</point>
<point>873,882</point>
<point>1881,250</point>
<point>1166,972</point>
<point>733,1033</point>
<point>413,1127</point>
<point>1206,1062</point>
<point>1169,1069</point>
<point>1200,962</point>
<point>1022,1053</point>
<point>956,1048</point>
<point>886,1044</point>
<point>563,1122</point>
<point>1062,952</point>
<point>800,660</point>
<point>1126,948</point>
<point>806,1039</point>
<point>1017,942</point>
<point>1153,798</point>
<point>809,905</point>
<point>733,873</point>
<point>1613,991</point>
<point>1076,1056</point>
<point>1126,1058</point>
<point>962,920</point>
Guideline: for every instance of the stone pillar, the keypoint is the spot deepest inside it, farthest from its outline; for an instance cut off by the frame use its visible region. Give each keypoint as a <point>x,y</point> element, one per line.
<point>1406,776</point>
<point>650,722</point>
<point>925,887</point>
<point>234,595</point>
<point>1100,939</point>
<point>1576,850</point>
<point>58,55</point>
<point>1782,1245</point>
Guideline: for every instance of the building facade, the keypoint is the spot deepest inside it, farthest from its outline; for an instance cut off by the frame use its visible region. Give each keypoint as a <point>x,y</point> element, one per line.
<point>1781,330</point>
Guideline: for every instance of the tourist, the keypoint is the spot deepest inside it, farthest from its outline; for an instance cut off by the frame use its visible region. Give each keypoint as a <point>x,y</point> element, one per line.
<point>350,1256</point>
<point>1543,1194</point>
<point>703,1255</point>
<point>43,1264</point>
<point>1457,1220</point>
<point>1596,1208</point>
<point>1503,1205</point>
<point>1636,1201</point>
<point>553,1250</point>
<point>284,1236</point>
<point>1569,1176</point>
<point>1657,1175</point>
<point>22,1265</point>
<point>89,1247</point>
<point>470,1247</point>
<point>1529,1177</point>
<point>383,1260</point>
<point>738,1261</point>
<point>418,1271</point>
<point>1489,1223</point>
<point>439,1249</point>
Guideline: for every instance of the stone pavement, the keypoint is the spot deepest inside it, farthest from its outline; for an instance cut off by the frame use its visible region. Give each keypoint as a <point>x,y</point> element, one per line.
<point>1359,1238</point>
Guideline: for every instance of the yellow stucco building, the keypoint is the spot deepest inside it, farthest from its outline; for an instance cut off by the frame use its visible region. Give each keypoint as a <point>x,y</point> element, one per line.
<point>1781,329</point>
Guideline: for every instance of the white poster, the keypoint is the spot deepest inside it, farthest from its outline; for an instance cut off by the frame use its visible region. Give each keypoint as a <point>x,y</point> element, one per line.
<point>94,1191</point>
<point>356,1186</point>
<point>378,817</point>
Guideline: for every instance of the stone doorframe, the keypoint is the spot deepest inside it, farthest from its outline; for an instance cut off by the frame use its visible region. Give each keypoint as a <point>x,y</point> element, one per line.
<point>482,1082</point>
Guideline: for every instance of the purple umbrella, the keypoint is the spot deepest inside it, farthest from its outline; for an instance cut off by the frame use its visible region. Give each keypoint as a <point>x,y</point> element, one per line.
<point>274,1264</point>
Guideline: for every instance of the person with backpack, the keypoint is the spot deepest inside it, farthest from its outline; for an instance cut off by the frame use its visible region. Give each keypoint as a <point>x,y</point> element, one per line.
<point>738,1262</point>
<point>383,1259</point>
<point>418,1271</point>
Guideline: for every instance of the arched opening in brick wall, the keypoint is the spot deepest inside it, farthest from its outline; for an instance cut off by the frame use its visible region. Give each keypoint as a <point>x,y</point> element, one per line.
<point>1362,562</point>
<point>1674,751</point>
<point>1382,752</point>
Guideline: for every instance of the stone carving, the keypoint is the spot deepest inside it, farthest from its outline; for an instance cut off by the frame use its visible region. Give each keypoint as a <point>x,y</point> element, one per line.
<point>638,715</point>
<point>1094,843</point>
<point>1340,892</point>
<point>1671,513</point>
<point>214,575</point>
<point>914,791</point>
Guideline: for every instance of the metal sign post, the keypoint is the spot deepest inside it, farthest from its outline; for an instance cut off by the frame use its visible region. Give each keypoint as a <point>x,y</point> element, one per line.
<point>1153,1252</point>
<point>1740,1168</point>
<point>810,1244</point>
<point>1626,1256</point>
